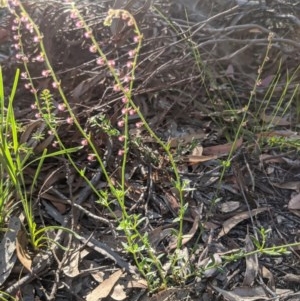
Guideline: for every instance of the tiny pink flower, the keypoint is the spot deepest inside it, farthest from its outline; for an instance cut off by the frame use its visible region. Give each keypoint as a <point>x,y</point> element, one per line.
<point>40,58</point>
<point>37,39</point>
<point>93,49</point>
<point>50,132</point>
<point>91,157</point>
<point>55,144</point>
<point>131,53</point>
<point>132,112</point>
<point>121,152</point>
<point>46,73</point>
<point>125,111</point>
<point>121,123</point>
<point>29,27</point>
<point>73,14</point>
<point>24,19</point>
<point>129,64</point>
<point>24,75</point>
<point>25,59</point>
<point>116,88</point>
<point>70,120</point>
<point>84,142</point>
<point>14,28</point>
<point>111,63</point>
<point>126,89</point>
<point>130,22</point>
<point>27,86</point>
<point>16,37</point>
<point>33,91</point>
<point>139,124</point>
<point>100,61</point>
<point>55,85</point>
<point>121,138</point>
<point>127,79</point>
<point>17,46</point>
<point>87,34</point>
<point>61,107</point>
<point>136,39</point>
<point>79,24</point>
<point>38,115</point>
<point>33,106</point>
<point>16,21</point>
<point>125,99</point>
<point>19,56</point>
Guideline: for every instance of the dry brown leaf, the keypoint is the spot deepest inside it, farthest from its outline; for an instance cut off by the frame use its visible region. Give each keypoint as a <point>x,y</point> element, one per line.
<point>8,247</point>
<point>294,203</point>
<point>118,293</point>
<point>243,294</point>
<point>275,120</point>
<point>103,289</point>
<point>21,249</point>
<point>70,267</point>
<point>292,185</point>
<point>192,160</point>
<point>229,206</point>
<point>239,217</point>
<point>251,263</point>
<point>267,274</point>
<point>222,149</point>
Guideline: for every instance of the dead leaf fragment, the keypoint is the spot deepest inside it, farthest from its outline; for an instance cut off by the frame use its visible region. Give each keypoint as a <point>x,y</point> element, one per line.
<point>251,263</point>
<point>275,120</point>
<point>8,247</point>
<point>233,221</point>
<point>103,289</point>
<point>294,203</point>
<point>21,248</point>
<point>222,149</point>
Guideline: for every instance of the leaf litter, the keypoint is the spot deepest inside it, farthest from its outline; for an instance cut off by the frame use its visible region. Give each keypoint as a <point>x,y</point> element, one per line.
<point>196,121</point>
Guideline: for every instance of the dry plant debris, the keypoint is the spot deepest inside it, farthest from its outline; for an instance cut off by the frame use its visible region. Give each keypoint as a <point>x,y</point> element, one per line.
<point>196,71</point>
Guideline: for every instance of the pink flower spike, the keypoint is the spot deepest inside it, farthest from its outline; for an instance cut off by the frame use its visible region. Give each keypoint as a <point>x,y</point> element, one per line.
<point>121,123</point>
<point>139,124</point>
<point>93,49</point>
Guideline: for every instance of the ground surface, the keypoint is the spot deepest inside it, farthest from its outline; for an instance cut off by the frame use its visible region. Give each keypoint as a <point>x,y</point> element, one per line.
<point>193,85</point>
